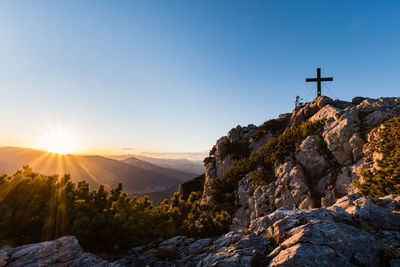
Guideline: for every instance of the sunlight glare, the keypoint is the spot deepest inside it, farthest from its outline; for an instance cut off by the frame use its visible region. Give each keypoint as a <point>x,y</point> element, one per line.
<point>60,141</point>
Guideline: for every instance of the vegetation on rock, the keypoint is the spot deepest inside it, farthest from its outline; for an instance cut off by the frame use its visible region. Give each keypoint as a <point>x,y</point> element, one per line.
<point>276,126</point>
<point>236,150</point>
<point>386,180</point>
<point>260,164</point>
<point>192,185</point>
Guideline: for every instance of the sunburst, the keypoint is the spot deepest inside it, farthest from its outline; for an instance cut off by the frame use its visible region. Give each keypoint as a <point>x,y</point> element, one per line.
<point>59,140</point>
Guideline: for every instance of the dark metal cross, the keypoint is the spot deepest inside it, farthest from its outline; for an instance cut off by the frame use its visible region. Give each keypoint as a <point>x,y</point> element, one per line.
<point>319,80</point>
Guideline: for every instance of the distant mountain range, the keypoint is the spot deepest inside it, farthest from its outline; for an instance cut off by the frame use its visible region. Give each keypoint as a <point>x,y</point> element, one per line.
<point>138,176</point>
<point>181,164</point>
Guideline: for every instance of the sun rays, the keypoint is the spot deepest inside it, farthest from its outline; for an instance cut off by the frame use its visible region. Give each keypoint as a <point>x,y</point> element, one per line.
<point>59,140</point>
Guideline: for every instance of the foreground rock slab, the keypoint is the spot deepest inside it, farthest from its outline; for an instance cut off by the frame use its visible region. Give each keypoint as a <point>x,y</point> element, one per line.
<point>64,251</point>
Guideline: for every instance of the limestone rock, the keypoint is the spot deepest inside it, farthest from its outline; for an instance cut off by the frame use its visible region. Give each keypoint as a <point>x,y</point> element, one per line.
<point>3,257</point>
<point>255,145</point>
<point>376,117</point>
<point>244,195</point>
<point>254,201</point>
<point>328,199</point>
<point>291,189</point>
<point>323,184</point>
<point>310,157</point>
<point>370,105</point>
<point>327,243</point>
<point>227,239</point>
<point>346,177</point>
<point>174,241</point>
<point>338,134</point>
<point>243,252</point>
<point>217,165</point>
<point>199,245</point>
<point>384,216</point>
<point>309,109</point>
<point>64,251</point>
<point>328,112</point>
<point>317,237</point>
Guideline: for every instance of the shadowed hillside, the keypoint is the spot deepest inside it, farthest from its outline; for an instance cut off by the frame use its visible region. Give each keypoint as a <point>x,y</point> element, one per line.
<point>181,164</point>
<point>137,176</point>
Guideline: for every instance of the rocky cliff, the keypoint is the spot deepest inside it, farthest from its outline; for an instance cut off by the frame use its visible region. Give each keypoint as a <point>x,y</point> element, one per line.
<point>293,197</point>
<point>323,166</point>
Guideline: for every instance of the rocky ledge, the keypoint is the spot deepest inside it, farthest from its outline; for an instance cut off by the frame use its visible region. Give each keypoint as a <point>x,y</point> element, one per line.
<point>355,231</point>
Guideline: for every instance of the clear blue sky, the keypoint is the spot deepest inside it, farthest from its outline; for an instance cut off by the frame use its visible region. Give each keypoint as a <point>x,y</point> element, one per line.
<point>177,75</point>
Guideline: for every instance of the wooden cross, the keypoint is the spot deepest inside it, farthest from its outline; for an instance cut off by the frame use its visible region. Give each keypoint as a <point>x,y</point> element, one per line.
<point>319,80</point>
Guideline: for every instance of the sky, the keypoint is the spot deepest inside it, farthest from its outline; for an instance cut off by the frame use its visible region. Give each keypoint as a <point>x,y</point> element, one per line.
<point>174,76</point>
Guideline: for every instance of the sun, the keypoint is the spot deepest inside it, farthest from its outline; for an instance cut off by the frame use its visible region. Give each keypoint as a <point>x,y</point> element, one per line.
<point>60,141</point>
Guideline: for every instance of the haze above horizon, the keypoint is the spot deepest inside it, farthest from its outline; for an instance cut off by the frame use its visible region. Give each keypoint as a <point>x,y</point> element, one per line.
<point>174,76</point>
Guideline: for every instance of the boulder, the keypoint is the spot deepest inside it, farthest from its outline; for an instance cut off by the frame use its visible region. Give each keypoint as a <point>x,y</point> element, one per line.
<point>328,112</point>
<point>309,109</point>
<point>386,215</point>
<point>4,257</point>
<point>310,157</point>
<point>254,201</point>
<point>376,117</point>
<point>369,105</point>
<point>291,188</point>
<point>338,134</point>
<point>244,195</point>
<point>255,145</point>
<point>199,245</point>
<point>64,251</point>
<point>244,252</point>
<point>345,179</point>
<point>327,243</point>
<point>227,240</point>
<point>317,237</point>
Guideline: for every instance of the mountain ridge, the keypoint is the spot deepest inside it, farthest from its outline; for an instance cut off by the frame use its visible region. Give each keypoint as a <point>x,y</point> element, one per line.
<point>180,164</point>
<point>94,169</point>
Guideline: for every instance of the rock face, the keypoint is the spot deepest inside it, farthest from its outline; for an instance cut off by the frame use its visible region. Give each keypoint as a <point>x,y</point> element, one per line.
<point>315,237</point>
<point>309,156</point>
<point>64,251</point>
<point>220,163</point>
<point>279,223</point>
<point>323,168</point>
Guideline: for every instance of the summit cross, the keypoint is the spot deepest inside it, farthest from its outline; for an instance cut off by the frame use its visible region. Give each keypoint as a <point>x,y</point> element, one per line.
<point>319,80</point>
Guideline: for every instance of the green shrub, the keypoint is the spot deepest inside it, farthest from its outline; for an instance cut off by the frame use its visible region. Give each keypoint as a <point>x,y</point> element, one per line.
<point>237,150</point>
<point>193,185</point>
<point>37,207</point>
<point>208,160</point>
<point>262,177</point>
<point>276,126</point>
<point>386,180</point>
<point>212,151</point>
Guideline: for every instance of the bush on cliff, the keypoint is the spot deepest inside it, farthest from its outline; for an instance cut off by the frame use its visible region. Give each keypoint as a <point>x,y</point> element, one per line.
<point>193,185</point>
<point>236,150</point>
<point>386,180</point>
<point>276,126</point>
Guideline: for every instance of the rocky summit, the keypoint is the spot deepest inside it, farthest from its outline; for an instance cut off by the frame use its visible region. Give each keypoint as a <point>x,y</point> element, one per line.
<point>302,204</point>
